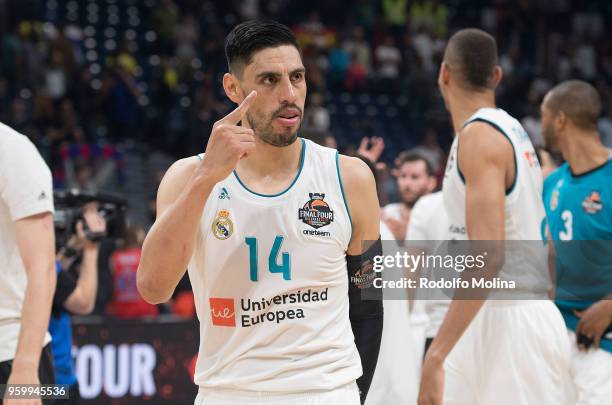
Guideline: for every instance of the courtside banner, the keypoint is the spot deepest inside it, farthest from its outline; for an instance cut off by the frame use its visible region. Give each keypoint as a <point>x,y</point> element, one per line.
<point>138,361</point>
<point>497,270</point>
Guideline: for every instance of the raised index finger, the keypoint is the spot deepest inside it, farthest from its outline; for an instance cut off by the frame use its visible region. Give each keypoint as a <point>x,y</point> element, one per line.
<point>236,116</point>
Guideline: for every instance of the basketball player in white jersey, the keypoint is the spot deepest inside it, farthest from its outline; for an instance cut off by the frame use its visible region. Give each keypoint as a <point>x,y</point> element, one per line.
<point>492,352</point>
<point>269,225</point>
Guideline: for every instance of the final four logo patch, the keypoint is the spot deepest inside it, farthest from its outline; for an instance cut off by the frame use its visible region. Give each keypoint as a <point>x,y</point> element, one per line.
<point>592,203</point>
<point>316,212</point>
<point>222,226</point>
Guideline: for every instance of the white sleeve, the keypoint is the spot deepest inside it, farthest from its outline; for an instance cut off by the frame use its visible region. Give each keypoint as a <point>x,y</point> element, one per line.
<point>417,226</point>
<point>26,186</point>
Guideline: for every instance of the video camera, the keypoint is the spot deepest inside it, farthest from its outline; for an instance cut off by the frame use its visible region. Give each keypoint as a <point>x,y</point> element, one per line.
<point>69,210</point>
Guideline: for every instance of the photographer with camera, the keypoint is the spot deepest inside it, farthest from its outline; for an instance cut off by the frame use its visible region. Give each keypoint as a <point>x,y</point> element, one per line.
<point>77,282</point>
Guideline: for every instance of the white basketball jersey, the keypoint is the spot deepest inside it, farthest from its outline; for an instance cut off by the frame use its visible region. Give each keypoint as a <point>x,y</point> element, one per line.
<point>525,262</point>
<point>270,282</point>
<point>524,210</point>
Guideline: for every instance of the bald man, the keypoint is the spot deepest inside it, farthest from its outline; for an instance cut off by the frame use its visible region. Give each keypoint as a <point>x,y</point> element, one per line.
<point>493,351</point>
<point>577,197</point>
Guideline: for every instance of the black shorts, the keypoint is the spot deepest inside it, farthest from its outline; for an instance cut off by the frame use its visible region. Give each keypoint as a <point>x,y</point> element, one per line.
<point>46,373</point>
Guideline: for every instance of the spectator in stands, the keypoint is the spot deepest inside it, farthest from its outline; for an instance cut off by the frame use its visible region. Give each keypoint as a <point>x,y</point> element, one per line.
<point>430,149</point>
<point>605,127</point>
<point>356,75</point>
<point>121,99</point>
<point>427,46</point>
<point>389,59</point>
<point>186,37</point>
<point>77,284</point>
<point>127,302</point>
<point>56,75</point>
<point>339,61</point>
<point>165,19</point>
<point>430,14</point>
<point>317,116</point>
<point>395,13</point>
<point>357,46</point>
<point>319,137</point>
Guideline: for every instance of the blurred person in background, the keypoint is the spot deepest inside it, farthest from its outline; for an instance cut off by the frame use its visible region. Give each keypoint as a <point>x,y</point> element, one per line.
<point>415,178</point>
<point>27,271</point>
<point>77,285</point>
<point>127,302</point>
<point>548,162</point>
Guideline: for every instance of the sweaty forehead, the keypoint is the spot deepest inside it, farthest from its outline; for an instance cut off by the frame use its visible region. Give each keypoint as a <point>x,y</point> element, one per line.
<point>281,59</point>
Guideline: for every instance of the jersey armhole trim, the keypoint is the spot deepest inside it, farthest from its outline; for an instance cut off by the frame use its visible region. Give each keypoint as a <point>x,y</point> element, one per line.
<point>498,128</point>
<point>201,156</point>
<point>342,190</point>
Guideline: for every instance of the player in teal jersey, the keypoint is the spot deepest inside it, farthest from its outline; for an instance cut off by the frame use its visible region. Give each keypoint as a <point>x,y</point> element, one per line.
<point>578,202</point>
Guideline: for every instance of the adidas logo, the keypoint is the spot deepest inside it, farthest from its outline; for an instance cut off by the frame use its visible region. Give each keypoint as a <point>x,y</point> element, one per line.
<point>224,195</point>
<point>42,196</point>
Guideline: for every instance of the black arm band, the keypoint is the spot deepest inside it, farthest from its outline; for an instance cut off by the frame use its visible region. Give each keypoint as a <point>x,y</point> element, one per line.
<point>366,312</point>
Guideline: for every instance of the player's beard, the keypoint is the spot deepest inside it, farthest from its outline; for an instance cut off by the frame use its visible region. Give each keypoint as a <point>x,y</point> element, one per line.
<point>265,131</point>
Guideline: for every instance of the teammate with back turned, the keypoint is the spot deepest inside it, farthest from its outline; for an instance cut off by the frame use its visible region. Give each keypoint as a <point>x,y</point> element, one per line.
<point>272,228</point>
<point>577,200</point>
<point>492,351</point>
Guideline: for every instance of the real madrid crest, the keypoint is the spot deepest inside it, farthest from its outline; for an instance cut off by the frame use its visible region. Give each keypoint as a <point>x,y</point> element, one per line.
<point>222,226</point>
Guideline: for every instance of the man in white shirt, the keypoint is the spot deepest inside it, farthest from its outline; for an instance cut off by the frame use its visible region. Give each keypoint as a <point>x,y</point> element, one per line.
<point>396,379</point>
<point>428,223</point>
<point>415,178</point>
<point>27,270</point>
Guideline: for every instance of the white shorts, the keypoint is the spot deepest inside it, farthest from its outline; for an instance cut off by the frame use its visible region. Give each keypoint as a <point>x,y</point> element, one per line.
<point>513,353</point>
<point>592,372</point>
<point>345,395</point>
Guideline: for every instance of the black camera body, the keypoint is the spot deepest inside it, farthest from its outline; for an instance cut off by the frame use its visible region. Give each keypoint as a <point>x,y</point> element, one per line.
<point>69,210</point>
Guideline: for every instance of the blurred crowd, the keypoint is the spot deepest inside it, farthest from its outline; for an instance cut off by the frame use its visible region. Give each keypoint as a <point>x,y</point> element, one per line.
<point>89,80</point>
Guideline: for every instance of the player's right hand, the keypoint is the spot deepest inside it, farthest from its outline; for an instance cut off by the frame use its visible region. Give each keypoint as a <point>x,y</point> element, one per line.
<point>228,142</point>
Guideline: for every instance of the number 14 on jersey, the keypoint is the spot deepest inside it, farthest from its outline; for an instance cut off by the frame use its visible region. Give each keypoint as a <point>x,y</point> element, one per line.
<point>284,267</point>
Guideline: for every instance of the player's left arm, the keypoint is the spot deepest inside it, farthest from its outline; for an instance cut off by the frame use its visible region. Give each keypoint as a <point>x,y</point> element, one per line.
<point>366,315</point>
<point>485,158</point>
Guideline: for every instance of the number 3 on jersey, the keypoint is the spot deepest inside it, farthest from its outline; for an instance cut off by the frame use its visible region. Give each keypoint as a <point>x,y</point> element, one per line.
<point>567,233</point>
<point>273,266</point>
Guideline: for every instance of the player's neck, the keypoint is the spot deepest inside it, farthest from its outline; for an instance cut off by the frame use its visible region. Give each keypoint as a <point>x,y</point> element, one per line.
<point>584,152</point>
<point>268,160</point>
<point>464,104</point>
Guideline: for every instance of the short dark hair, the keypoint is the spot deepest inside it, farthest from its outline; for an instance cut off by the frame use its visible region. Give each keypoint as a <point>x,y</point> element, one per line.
<point>578,100</point>
<point>473,54</point>
<point>251,36</point>
<point>410,156</point>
